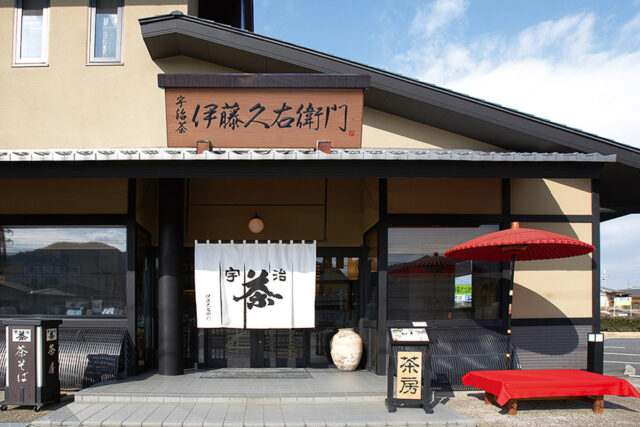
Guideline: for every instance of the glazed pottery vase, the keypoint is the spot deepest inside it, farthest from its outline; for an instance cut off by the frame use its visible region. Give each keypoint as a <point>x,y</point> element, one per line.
<point>346,349</point>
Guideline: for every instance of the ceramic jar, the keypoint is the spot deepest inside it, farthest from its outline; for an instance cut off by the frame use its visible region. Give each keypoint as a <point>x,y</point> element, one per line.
<point>346,349</point>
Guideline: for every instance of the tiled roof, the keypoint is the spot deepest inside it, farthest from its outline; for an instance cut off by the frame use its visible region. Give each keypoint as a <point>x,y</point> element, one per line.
<point>294,154</point>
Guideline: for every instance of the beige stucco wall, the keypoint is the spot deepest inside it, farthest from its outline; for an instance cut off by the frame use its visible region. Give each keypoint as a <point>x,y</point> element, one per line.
<point>63,196</point>
<point>562,287</point>
<point>551,196</point>
<point>555,288</point>
<point>74,105</point>
<point>241,200</point>
<point>444,195</point>
<point>69,104</point>
<point>383,130</point>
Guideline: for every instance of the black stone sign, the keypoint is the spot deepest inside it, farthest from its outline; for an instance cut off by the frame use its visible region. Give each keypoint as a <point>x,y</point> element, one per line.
<point>32,355</point>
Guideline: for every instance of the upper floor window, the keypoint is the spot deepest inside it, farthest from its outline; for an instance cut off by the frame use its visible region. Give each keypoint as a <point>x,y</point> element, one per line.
<point>31,37</point>
<point>105,35</point>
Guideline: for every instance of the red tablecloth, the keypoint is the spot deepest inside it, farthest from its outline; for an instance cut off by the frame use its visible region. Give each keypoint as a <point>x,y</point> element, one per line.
<point>516,384</point>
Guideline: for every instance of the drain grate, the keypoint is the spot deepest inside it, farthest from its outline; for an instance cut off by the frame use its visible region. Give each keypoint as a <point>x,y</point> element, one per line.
<point>256,373</point>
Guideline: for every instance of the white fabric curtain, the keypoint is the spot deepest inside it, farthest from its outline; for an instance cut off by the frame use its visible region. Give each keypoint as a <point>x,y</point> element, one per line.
<point>304,286</point>
<point>260,286</point>
<point>270,305</point>
<point>207,283</point>
<point>231,280</point>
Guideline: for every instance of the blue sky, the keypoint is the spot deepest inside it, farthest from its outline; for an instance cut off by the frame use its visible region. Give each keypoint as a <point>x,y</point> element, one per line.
<point>572,62</point>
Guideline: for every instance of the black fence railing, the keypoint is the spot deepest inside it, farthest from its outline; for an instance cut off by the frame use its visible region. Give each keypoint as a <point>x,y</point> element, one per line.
<point>87,355</point>
<point>456,351</point>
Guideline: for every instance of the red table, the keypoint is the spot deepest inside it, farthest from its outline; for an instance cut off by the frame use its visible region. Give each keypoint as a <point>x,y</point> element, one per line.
<point>547,384</point>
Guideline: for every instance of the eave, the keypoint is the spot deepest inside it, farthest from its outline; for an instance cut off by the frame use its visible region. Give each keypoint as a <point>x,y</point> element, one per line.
<point>178,34</point>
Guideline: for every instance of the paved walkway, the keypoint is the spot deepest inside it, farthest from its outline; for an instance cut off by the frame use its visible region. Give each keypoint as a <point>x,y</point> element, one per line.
<point>183,414</point>
<point>321,385</point>
<point>328,398</point>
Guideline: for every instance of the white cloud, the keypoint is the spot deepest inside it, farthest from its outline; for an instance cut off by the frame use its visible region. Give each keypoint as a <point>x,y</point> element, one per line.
<point>601,96</point>
<point>558,70</point>
<point>630,32</point>
<point>437,15</point>
<point>570,36</point>
<point>619,254</point>
<point>551,70</point>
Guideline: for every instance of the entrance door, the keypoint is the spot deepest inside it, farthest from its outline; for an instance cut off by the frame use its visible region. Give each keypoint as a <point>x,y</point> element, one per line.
<point>231,348</point>
<point>246,348</point>
<point>284,348</point>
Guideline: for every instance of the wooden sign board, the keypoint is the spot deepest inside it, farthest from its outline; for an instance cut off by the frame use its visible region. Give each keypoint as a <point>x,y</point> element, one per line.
<point>409,375</point>
<point>264,118</point>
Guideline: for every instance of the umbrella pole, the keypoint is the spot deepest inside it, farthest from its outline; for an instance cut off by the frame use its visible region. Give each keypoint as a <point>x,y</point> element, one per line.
<point>510,301</point>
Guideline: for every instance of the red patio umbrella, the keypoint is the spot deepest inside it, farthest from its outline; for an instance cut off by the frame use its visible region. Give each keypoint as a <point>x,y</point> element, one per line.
<point>522,244</point>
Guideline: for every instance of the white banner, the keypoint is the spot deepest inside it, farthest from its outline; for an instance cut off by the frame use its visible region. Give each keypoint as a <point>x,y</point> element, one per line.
<point>304,286</point>
<point>261,286</point>
<point>268,301</point>
<point>207,281</point>
<point>231,280</point>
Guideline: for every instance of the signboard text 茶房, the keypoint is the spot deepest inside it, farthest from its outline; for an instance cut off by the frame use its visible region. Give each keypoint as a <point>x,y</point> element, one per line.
<point>409,375</point>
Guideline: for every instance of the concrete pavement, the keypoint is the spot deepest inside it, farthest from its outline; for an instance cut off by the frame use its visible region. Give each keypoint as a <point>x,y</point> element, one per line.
<point>327,398</point>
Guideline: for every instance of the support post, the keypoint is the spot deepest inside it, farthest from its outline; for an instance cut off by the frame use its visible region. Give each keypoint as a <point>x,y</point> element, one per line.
<point>170,277</point>
<point>383,241</point>
<point>510,313</point>
<point>595,352</point>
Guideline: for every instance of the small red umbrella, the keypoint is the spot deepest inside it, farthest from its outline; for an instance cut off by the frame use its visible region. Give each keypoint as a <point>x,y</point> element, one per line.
<point>522,244</point>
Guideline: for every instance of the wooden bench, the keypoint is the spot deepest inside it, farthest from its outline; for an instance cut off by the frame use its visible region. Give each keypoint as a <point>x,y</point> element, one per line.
<point>507,387</point>
<point>512,404</point>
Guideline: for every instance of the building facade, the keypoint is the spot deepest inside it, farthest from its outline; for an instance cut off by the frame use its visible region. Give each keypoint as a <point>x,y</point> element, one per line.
<point>131,130</point>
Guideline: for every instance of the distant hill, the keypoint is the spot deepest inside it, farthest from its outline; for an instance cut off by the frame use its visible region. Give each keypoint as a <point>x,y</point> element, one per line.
<point>79,246</point>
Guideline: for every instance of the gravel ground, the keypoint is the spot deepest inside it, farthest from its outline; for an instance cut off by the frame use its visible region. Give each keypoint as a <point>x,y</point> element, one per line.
<point>26,414</point>
<point>618,411</point>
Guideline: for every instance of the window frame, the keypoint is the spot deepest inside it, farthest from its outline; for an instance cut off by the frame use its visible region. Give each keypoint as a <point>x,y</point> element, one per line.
<point>91,58</point>
<point>43,60</point>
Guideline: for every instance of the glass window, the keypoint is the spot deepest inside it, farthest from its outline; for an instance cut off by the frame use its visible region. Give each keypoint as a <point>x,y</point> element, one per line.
<point>337,303</point>
<point>106,31</point>
<point>371,276</point>
<point>31,32</point>
<point>144,300</point>
<point>423,284</point>
<point>63,271</point>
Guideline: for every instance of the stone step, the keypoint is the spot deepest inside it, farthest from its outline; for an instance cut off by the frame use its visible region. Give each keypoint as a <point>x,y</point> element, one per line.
<point>258,398</point>
<point>202,414</point>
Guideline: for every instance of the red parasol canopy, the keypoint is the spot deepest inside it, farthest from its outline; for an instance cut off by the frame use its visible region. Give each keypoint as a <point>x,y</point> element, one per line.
<point>526,244</point>
<point>427,265</point>
<point>522,244</point>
